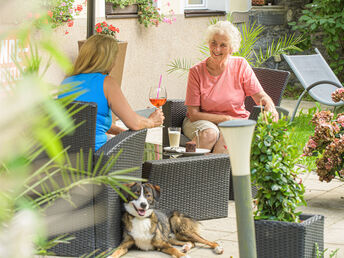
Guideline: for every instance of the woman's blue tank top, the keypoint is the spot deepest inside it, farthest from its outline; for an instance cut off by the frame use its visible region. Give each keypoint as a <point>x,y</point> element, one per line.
<point>93,84</point>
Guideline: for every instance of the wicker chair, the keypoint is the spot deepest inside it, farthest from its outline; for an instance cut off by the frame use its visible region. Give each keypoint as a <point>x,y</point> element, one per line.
<point>197,186</point>
<point>273,83</point>
<point>95,222</point>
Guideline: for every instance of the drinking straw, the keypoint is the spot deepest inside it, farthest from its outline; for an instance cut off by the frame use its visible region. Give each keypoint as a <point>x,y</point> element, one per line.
<point>159,86</point>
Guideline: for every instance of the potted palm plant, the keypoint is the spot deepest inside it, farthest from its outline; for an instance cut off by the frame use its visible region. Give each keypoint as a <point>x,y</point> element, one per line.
<point>281,231</point>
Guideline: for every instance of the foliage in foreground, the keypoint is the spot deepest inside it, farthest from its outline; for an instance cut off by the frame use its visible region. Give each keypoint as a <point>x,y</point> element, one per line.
<point>32,123</point>
<point>273,171</point>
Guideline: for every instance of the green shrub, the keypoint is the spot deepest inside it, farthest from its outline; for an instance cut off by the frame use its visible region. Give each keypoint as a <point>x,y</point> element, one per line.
<point>273,171</point>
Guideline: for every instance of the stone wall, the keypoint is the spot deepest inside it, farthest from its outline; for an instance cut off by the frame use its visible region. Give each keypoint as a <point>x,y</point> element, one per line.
<point>275,19</point>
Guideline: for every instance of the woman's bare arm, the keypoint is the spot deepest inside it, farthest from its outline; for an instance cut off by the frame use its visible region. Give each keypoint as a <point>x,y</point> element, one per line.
<point>120,106</point>
<point>263,99</point>
<point>194,114</point>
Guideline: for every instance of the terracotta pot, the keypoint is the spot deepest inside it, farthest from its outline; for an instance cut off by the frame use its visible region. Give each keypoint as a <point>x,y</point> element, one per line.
<point>258,2</point>
<point>117,70</point>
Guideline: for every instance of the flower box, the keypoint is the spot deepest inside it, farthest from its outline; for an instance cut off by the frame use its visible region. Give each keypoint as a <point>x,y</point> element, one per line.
<point>280,239</point>
<point>128,10</point>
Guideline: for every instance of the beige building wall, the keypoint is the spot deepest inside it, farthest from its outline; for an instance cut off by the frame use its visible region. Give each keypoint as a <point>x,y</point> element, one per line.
<point>149,50</point>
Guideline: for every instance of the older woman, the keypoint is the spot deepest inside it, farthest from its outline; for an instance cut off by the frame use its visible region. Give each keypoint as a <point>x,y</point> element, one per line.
<point>217,88</point>
<point>90,74</point>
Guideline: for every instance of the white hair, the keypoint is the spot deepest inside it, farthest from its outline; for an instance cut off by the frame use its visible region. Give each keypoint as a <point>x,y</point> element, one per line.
<point>229,30</point>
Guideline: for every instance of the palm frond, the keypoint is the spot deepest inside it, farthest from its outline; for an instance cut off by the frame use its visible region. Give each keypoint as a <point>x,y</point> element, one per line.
<point>45,183</point>
<point>179,65</point>
<point>283,45</point>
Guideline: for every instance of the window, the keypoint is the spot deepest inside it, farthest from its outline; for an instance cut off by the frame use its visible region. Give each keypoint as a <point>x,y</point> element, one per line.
<point>195,4</point>
<point>199,8</point>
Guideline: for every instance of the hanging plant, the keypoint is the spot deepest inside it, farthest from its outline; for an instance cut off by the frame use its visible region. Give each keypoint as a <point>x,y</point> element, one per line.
<point>148,13</point>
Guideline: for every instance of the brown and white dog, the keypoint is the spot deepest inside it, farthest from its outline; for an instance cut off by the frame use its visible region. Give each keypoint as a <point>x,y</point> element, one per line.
<point>151,229</point>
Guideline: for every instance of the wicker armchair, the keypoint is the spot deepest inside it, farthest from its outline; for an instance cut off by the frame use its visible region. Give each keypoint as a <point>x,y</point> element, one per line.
<point>107,202</point>
<point>197,186</point>
<point>273,83</point>
<point>95,221</point>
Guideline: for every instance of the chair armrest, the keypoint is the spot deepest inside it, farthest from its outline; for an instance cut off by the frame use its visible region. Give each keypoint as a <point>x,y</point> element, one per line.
<point>198,186</point>
<point>257,109</point>
<point>132,145</point>
<point>175,112</point>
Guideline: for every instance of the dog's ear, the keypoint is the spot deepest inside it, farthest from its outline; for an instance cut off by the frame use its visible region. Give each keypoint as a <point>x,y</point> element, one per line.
<point>156,192</point>
<point>125,193</point>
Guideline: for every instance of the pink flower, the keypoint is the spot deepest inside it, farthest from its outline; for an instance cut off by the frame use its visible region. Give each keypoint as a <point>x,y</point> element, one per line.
<point>63,4</point>
<point>312,144</point>
<point>168,4</point>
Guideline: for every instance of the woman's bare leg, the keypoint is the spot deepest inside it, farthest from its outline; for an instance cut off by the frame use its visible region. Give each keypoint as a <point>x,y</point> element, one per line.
<point>207,139</point>
<point>220,146</point>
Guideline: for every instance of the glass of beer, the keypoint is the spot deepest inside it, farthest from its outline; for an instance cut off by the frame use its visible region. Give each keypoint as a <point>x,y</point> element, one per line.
<point>174,136</point>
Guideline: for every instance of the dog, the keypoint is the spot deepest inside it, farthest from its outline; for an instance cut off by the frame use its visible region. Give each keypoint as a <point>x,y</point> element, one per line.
<point>151,229</point>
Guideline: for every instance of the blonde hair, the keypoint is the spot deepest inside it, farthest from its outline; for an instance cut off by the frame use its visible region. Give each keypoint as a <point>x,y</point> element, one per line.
<point>97,55</point>
<point>229,30</point>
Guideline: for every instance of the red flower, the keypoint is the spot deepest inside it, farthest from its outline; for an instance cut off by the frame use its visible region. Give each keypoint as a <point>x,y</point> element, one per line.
<point>104,23</point>
<point>99,30</point>
<point>79,7</point>
<point>112,28</point>
<point>98,24</point>
<point>70,24</point>
<point>66,32</point>
<point>50,13</point>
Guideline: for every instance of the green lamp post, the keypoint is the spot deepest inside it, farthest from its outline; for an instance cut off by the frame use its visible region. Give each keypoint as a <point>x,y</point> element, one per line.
<point>238,136</point>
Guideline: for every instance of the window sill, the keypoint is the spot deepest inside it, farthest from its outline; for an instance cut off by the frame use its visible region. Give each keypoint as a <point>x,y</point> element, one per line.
<point>203,13</point>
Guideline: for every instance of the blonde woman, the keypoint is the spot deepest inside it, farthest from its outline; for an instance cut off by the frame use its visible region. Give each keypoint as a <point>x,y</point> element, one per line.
<point>217,87</point>
<point>91,69</point>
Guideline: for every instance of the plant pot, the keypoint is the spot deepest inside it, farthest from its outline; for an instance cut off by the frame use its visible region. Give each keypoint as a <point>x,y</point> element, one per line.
<point>117,70</point>
<point>130,9</point>
<point>280,239</point>
<point>258,2</point>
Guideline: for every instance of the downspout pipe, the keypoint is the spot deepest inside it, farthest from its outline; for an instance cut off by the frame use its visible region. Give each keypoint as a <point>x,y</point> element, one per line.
<point>91,14</point>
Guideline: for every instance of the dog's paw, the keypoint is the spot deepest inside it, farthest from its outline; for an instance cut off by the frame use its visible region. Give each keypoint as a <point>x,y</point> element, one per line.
<point>187,247</point>
<point>218,249</point>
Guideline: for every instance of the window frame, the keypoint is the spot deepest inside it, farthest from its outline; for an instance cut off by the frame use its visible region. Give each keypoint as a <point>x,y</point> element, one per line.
<point>188,6</point>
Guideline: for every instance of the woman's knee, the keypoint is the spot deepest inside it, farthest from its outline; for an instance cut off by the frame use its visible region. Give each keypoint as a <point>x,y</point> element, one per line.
<point>209,135</point>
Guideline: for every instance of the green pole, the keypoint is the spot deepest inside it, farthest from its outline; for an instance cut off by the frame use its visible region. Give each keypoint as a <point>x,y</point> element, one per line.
<point>238,136</point>
<point>244,218</point>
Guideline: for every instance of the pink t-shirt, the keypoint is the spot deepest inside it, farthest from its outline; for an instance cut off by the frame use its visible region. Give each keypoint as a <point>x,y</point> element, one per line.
<point>225,93</point>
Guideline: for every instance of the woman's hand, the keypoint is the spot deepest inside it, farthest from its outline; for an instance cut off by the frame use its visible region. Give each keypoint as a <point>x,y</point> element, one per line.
<point>273,111</point>
<point>262,99</point>
<point>114,129</point>
<point>157,117</point>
